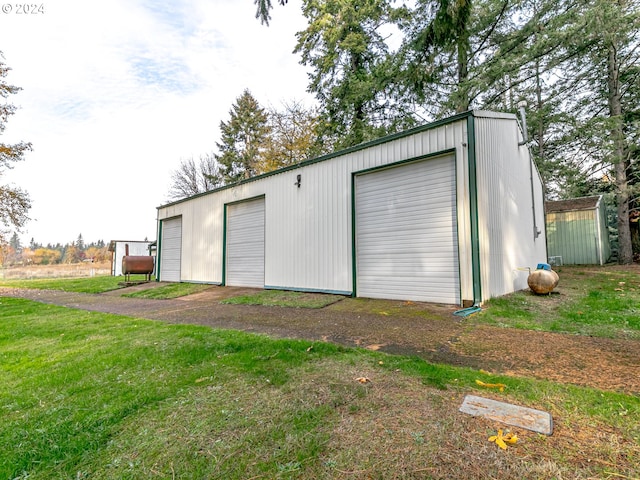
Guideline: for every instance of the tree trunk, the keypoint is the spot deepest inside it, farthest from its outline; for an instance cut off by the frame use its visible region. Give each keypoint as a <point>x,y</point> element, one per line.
<point>541,119</point>
<point>463,102</point>
<point>625,254</point>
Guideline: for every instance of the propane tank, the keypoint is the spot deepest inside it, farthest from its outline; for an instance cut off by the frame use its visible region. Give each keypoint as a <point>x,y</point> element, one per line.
<point>543,280</point>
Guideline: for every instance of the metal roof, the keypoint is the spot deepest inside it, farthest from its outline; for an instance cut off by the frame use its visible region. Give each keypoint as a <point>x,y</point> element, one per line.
<point>572,204</point>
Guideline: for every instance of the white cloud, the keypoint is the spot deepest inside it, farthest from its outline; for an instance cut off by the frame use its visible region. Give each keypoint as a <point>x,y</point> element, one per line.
<point>115,94</point>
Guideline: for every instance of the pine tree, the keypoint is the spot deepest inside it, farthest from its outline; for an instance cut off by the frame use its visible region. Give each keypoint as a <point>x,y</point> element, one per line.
<point>241,149</point>
<point>263,8</point>
<point>80,243</point>
<point>605,77</point>
<point>14,243</point>
<point>345,47</point>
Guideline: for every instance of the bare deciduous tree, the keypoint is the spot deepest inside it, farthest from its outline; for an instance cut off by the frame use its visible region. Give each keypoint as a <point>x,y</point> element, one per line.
<point>192,178</point>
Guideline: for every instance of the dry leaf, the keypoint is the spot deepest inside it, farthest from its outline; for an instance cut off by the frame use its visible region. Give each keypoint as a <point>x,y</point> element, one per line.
<point>500,386</point>
<point>363,380</point>
<point>502,440</point>
<point>310,348</point>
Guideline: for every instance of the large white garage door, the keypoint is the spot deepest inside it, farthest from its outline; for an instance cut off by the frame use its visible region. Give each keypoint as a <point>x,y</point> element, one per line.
<point>406,232</point>
<point>245,244</point>
<point>171,253</point>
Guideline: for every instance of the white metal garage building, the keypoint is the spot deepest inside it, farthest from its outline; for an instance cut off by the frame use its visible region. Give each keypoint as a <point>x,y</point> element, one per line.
<point>449,212</point>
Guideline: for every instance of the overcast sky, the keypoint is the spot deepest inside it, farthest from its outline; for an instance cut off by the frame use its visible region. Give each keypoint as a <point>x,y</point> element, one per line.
<point>115,93</point>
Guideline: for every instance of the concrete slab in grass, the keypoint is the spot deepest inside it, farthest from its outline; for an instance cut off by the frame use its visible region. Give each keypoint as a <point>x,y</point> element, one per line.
<point>528,418</point>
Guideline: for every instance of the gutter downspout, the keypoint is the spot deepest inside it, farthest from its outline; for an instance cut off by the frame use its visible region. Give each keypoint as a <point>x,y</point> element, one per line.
<point>525,139</point>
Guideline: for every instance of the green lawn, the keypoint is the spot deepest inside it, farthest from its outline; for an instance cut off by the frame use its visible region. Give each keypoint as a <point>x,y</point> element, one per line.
<point>86,395</point>
<point>97,284</point>
<point>279,298</point>
<point>172,290</point>
<point>596,301</point>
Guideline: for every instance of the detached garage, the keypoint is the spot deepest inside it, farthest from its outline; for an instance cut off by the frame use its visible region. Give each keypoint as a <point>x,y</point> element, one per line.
<point>449,212</point>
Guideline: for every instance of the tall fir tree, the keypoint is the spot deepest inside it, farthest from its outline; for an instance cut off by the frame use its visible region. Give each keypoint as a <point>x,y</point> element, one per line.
<point>243,138</point>
<point>346,49</point>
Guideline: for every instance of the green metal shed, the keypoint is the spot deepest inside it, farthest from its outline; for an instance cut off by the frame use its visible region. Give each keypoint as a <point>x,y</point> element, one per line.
<point>577,231</point>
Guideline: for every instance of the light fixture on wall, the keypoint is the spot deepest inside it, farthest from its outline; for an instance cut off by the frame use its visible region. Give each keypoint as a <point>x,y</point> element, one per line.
<point>298,180</point>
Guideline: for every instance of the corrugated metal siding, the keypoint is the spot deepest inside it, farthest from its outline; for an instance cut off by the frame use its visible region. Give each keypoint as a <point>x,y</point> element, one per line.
<point>574,237</point>
<point>406,232</point>
<point>171,253</point>
<point>245,244</point>
<point>505,206</point>
<point>308,240</point>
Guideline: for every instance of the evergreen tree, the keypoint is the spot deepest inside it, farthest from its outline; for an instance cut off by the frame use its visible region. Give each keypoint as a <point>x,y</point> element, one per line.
<point>605,79</point>
<point>346,49</point>
<point>80,243</point>
<point>14,243</point>
<point>263,8</point>
<point>242,145</point>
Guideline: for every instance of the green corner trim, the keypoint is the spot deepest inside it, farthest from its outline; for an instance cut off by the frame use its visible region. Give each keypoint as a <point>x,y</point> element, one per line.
<point>159,250</point>
<point>223,280</point>
<point>473,209</point>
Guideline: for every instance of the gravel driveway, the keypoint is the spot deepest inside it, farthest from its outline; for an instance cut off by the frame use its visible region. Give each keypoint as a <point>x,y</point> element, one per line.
<point>427,330</point>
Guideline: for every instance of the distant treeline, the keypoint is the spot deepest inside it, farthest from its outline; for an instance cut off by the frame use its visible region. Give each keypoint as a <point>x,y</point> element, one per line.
<point>36,253</point>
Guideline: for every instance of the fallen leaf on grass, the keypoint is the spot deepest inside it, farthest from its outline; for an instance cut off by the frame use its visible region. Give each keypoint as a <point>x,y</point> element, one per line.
<point>500,386</point>
<point>375,346</point>
<point>363,380</point>
<point>502,440</point>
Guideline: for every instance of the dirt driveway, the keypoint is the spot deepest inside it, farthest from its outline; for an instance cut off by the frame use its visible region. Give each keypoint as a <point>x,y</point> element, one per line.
<point>426,330</point>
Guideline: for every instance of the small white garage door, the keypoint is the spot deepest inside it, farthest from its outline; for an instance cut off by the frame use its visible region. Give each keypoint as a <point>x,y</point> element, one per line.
<point>406,232</point>
<point>171,253</point>
<point>245,244</point>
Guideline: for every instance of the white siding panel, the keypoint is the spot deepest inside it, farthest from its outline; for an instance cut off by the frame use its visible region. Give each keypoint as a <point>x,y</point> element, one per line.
<point>406,232</point>
<point>171,250</point>
<point>308,239</point>
<point>245,243</point>
<point>509,190</point>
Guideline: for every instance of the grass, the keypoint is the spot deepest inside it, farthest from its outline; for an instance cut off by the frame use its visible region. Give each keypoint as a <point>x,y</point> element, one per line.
<point>172,290</point>
<point>603,302</point>
<point>97,284</point>
<point>91,395</point>
<point>279,298</point>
